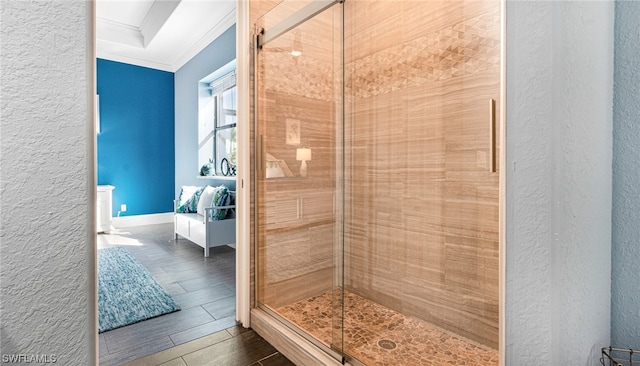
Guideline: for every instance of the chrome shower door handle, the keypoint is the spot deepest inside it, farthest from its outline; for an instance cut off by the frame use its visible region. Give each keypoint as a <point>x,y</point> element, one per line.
<point>260,154</point>
<point>492,135</point>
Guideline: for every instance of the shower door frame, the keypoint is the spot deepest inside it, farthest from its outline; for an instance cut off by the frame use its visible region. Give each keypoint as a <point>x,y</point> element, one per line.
<point>502,194</point>
<point>247,312</point>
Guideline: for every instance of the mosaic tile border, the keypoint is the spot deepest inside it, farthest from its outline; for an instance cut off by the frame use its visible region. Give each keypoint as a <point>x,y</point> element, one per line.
<point>462,49</point>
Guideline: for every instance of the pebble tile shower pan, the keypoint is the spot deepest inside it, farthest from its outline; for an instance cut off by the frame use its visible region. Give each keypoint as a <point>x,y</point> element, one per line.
<point>377,335</point>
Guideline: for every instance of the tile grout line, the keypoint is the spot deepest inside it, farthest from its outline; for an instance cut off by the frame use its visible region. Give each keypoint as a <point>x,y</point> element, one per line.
<point>200,349</point>
<point>177,283</point>
<point>205,310</point>
<point>224,298</point>
<point>269,356</point>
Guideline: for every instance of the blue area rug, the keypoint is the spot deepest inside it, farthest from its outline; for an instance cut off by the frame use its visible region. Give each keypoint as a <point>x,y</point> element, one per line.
<point>127,293</point>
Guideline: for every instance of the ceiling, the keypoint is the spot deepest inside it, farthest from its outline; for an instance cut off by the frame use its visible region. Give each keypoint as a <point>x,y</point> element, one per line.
<point>160,34</point>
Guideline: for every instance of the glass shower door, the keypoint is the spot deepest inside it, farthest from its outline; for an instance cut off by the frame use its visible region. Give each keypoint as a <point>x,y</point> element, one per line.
<point>299,175</point>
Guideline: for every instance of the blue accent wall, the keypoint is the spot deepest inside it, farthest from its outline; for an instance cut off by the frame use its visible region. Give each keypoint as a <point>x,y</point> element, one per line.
<point>217,54</point>
<point>625,264</point>
<point>135,145</point>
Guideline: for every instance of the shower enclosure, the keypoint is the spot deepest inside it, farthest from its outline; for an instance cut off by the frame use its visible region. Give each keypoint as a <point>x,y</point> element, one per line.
<point>377,179</point>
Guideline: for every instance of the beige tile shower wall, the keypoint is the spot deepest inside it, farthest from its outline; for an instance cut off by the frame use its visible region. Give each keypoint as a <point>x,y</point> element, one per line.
<point>422,207</point>
<point>296,223</point>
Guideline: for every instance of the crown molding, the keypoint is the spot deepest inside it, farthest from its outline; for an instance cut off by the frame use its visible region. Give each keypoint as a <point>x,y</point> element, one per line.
<point>110,36</point>
<point>109,30</point>
<point>134,61</point>
<point>215,32</point>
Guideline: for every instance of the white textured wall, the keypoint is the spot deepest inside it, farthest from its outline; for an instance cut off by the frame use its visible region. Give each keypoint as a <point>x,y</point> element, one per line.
<point>625,274</point>
<point>46,250</point>
<point>559,152</point>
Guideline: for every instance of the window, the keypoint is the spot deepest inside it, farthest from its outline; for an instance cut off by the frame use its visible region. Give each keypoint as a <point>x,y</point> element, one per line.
<point>217,127</point>
<point>224,132</point>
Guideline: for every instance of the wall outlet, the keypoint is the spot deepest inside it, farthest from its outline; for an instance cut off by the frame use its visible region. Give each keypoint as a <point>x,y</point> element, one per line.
<point>123,208</point>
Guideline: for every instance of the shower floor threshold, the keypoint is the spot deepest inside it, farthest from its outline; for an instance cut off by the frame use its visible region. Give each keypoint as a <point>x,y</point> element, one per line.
<point>377,335</point>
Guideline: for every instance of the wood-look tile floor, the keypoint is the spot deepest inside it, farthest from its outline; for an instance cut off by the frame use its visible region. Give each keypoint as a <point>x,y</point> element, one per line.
<point>204,331</point>
<point>233,346</point>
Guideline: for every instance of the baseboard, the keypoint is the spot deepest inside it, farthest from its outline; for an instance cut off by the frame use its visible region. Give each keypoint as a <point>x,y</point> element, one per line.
<point>140,220</point>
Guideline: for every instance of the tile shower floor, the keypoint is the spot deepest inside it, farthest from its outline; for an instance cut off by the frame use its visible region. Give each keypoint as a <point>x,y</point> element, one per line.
<point>367,323</point>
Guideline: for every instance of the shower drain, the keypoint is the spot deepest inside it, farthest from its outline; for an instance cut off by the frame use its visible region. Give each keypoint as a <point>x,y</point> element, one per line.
<point>387,344</point>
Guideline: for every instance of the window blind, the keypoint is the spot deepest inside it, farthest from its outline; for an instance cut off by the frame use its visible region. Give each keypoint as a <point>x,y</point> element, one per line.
<point>223,83</point>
